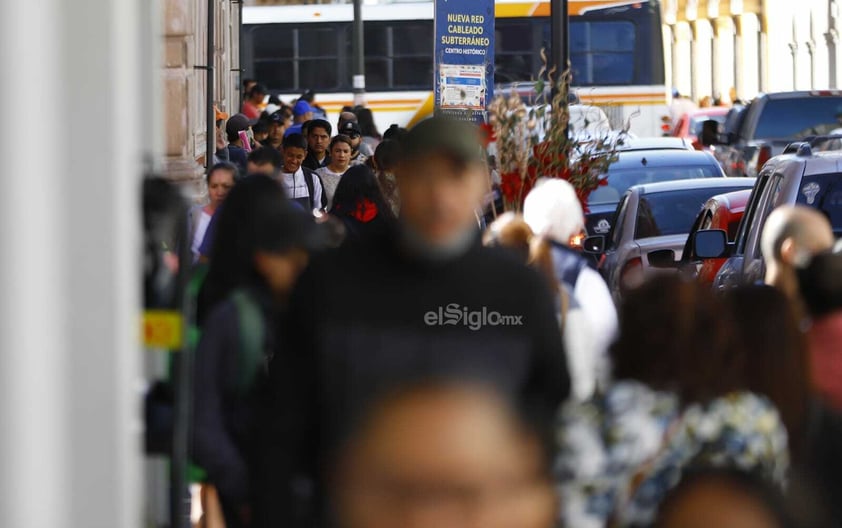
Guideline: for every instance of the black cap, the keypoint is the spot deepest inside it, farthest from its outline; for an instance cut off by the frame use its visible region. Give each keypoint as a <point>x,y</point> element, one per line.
<point>289,226</point>
<point>350,128</point>
<point>276,117</point>
<point>444,135</point>
<point>239,122</point>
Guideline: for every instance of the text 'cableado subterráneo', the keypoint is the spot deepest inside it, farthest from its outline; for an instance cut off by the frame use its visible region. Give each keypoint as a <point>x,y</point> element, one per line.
<point>467,31</point>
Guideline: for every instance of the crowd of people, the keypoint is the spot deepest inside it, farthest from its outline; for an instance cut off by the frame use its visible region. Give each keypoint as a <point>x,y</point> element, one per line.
<point>370,359</point>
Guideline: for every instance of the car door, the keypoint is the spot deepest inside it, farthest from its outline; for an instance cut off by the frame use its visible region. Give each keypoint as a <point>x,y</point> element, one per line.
<point>754,269</point>
<point>731,273</point>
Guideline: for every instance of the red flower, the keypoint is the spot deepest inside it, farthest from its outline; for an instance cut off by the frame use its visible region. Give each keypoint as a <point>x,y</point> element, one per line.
<point>486,134</point>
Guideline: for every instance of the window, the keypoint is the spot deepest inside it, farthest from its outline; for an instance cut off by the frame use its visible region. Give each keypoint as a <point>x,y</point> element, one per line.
<point>602,53</point>
<point>412,55</point>
<point>767,203</point>
<point>620,180</point>
<point>617,233</point>
<point>513,51</point>
<point>750,213</point>
<point>292,59</point>
<point>799,117</point>
<point>824,192</point>
<point>672,212</point>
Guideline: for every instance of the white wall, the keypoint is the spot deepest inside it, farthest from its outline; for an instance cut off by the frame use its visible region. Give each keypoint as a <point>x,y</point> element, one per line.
<point>69,228</point>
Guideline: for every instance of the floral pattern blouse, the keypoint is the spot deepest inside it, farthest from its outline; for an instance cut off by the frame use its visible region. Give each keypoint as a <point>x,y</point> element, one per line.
<point>621,453</point>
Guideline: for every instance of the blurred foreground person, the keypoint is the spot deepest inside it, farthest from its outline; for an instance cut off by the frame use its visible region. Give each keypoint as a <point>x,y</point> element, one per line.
<point>260,248</point>
<point>723,499</point>
<point>425,300</point>
<point>359,204</point>
<point>677,401</point>
<point>791,236</point>
<point>588,316</point>
<point>821,289</point>
<point>444,456</point>
<point>511,232</point>
<point>266,161</point>
<point>384,162</point>
<point>772,354</point>
<point>220,180</point>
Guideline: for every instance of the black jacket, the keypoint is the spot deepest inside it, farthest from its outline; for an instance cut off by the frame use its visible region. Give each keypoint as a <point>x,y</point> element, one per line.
<point>230,414</point>
<point>313,164</point>
<point>365,318</point>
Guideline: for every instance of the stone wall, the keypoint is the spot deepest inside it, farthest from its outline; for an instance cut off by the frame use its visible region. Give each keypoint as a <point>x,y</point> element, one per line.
<point>185,48</point>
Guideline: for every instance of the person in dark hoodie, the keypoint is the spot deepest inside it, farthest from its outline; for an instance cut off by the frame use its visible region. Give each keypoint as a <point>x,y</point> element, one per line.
<point>422,301</point>
<point>359,204</point>
<point>261,247</point>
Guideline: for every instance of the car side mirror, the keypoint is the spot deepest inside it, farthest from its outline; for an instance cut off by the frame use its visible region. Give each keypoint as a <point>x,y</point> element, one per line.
<point>662,258</point>
<point>710,133</point>
<point>710,244</point>
<point>594,245</point>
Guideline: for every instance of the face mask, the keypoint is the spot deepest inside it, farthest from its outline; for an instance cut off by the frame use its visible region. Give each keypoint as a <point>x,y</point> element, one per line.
<point>422,249</point>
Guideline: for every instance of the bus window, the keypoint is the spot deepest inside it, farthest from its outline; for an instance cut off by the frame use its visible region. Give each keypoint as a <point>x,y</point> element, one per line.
<point>513,51</point>
<point>274,52</point>
<point>318,63</point>
<point>377,62</point>
<point>602,53</point>
<point>413,54</point>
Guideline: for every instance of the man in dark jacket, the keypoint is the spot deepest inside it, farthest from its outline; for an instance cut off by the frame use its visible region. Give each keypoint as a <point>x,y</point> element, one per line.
<point>426,301</point>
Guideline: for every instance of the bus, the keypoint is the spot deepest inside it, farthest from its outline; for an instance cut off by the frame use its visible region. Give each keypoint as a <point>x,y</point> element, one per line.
<point>616,54</point>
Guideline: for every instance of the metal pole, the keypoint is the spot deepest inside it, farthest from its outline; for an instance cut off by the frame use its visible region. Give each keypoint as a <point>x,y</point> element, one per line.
<point>359,55</point>
<point>211,59</point>
<point>559,24</point>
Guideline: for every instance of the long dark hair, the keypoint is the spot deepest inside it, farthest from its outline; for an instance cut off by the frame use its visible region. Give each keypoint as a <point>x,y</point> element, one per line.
<point>674,337</point>
<point>356,185</point>
<point>235,239</point>
<point>365,118</point>
<point>772,354</point>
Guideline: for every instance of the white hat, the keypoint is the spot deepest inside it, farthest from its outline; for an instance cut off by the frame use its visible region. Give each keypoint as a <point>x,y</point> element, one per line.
<point>553,210</point>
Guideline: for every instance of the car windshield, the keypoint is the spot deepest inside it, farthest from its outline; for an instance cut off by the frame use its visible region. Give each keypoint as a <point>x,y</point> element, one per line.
<point>620,180</point>
<point>824,192</point>
<point>697,123</point>
<point>671,212</point>
<point>800,117</point>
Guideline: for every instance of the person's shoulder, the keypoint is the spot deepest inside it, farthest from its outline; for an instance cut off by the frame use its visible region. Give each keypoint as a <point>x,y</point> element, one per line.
<point>505,264</point>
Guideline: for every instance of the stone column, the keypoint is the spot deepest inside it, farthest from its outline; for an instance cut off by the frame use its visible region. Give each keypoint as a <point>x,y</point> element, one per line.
<point>184,92</point>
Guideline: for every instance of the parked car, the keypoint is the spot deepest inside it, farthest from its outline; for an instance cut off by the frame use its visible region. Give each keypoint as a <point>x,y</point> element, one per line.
<point>724,212</point>
<point>755,133</point>
<point>689,126</point>
<point>640,167</point>
<point>803,178</point>
<point>651,227</point>
<point>634,144</point>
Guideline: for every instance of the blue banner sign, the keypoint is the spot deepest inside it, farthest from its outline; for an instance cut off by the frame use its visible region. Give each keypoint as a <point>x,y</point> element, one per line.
<point>464,71</point>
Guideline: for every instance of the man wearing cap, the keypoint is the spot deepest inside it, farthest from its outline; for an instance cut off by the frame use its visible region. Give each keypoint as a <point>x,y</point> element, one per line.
<point>277,126</point>
<point>352,130</point>
<point>318,133</point>
<point>237,153</point>
<point>301,113</point>
<point>424,302</point>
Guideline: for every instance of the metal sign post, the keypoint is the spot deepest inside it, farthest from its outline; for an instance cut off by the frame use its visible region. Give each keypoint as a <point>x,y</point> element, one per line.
<point>559,29</point>
<point>464,58</point>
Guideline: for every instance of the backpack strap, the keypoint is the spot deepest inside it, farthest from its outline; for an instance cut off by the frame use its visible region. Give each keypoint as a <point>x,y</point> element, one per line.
<point>252,338</point>
<point>309,175</point>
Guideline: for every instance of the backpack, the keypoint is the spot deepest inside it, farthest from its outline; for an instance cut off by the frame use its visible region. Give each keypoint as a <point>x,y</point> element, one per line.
<point>308,180</point>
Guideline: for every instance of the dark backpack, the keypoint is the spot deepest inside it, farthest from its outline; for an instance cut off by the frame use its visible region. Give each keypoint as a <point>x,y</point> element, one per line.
<point>308,180</point>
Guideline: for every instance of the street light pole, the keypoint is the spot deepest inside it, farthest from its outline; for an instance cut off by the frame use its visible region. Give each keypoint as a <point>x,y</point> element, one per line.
<point>359,55</point>
<point>559,24</point>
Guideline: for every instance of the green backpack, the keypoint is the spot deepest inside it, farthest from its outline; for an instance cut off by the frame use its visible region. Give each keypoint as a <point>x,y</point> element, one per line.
<point>252,328</point>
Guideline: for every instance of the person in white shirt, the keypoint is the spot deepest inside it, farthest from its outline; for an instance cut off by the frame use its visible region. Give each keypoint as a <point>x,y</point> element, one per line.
<point>301,184</point>
<point>340,159</point>
<point>220,180</point>
<point>553,211</point>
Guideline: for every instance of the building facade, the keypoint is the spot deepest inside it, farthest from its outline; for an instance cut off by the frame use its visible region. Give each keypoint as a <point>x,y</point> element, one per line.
<point>718,47</point>
<point>185,29</point>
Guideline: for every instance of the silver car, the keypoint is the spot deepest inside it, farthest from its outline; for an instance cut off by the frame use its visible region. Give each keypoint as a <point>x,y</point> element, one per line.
<point>651,226</point>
